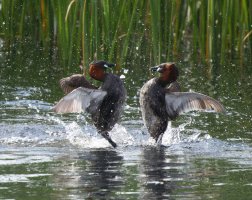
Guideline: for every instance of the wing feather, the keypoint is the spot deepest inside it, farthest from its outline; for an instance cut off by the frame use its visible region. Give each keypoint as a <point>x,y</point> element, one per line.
<point>181,102</point>
<point>70,83</point>
<point>80,100</point>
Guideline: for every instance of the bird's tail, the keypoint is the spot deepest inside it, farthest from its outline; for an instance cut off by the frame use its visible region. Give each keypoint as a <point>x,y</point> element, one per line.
<point>108,138</point>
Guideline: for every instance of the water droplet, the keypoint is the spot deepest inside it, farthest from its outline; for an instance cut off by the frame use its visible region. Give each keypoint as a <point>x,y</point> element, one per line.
<point>122,77</point>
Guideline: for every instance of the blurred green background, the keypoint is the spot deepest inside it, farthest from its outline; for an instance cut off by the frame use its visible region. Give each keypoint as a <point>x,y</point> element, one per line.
<point>77,31</point>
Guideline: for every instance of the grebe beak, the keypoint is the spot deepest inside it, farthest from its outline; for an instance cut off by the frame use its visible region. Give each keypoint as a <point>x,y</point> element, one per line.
<point>154,69</point>
<point>109,65</point>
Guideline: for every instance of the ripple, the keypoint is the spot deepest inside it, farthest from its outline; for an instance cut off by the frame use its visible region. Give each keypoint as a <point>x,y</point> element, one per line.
<point>10,178</point>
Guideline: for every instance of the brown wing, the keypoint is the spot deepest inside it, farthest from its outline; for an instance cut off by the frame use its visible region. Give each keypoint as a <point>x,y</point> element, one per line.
<point>173,87</point>
<point>70,83</point>
<point>181,102</point>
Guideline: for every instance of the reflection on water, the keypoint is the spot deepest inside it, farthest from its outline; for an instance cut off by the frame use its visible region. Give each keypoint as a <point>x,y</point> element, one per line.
<point>103,175</point>
<point>158,182</point>
<point>95,174</point>
<point>177,172</point>
<point>100,175</point>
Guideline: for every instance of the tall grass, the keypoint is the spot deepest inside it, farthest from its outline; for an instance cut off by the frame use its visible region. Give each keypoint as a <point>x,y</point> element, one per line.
<point>155,30</point>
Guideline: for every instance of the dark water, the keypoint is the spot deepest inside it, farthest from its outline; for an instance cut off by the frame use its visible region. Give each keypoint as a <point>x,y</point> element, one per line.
<point>49,156</point>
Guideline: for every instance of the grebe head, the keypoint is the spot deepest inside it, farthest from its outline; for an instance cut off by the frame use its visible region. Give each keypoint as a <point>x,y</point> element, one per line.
<point>97,69</point>
<point>168,72</point>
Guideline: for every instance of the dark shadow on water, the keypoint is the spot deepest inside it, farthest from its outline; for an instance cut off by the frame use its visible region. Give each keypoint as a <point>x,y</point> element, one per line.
<point>103,174</point>
<point>161,173</point>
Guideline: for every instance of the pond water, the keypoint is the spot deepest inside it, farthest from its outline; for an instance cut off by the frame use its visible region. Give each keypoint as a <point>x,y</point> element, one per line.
<point>48,156</point>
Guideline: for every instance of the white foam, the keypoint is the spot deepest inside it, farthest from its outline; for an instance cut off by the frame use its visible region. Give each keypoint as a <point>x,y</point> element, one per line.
<point>88,137</point>
<point>80,133</point>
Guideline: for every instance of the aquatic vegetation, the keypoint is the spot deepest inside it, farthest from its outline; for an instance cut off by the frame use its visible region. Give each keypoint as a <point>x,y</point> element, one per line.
<point>79,31</point>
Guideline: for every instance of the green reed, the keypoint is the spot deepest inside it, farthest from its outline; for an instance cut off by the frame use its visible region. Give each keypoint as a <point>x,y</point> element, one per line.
<point>80,31</point>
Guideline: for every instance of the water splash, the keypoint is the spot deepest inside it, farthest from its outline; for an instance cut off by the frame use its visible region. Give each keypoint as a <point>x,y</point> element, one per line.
<point>80,133</point>
<point>88,137</point>
<point>84,135</point>
<point>172,135</point>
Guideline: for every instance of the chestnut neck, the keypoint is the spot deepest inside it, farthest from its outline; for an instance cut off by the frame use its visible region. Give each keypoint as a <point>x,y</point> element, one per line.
<point>168,76</point>
<point>97,72</point>
<point>162,82</point>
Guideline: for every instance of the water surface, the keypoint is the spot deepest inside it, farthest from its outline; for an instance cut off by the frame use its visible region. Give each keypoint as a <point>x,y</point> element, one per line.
<point>44,155</point>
